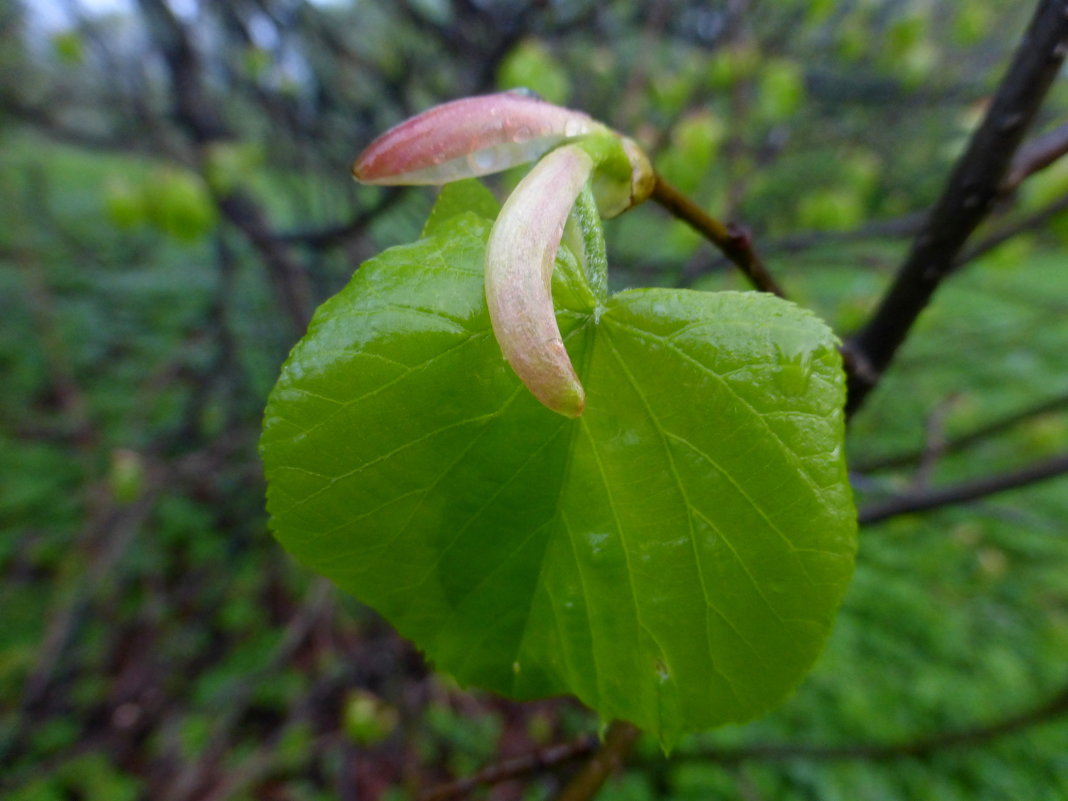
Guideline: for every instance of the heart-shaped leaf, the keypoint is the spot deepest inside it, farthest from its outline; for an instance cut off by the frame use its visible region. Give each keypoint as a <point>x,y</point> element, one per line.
<point>674,557</point>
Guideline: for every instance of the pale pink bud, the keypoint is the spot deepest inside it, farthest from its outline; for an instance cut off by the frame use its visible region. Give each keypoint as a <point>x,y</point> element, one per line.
<point>470,137</point>
<point>520,256</point>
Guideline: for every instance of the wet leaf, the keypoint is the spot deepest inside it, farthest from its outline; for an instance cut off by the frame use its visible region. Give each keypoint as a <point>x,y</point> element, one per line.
<point>673,557</point>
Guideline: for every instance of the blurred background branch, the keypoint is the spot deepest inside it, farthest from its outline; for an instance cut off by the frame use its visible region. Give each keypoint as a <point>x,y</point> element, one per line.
<point>175,182</point>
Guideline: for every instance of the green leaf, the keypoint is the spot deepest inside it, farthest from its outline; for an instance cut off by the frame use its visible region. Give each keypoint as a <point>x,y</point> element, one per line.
<point>179,204</point>
<point>695,143</point>
<point>971,24</point>
<point>530,65</point>
<point>819,11</point>
<point>125,204</point>
<point>459,197</point>
<point>229,164</point>
<point>831,209</point>
<point>781,90</point>
<point>69,47</point>
<point>674,557</point>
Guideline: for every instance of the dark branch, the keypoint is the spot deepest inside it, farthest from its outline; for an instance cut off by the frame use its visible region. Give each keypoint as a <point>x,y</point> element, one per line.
<point>999,237</point>
<point>897,227</point>
<point>336,235</point>
<point>193,108</point>
<point>289,279</point>
<point>514,768</point>
<point>963,492</point>
<point>43,116</point>
<point>923,747</point>
<point>967,198</point>
<point>956,444</point>
<point>196,113</point>
<point>906,225</point>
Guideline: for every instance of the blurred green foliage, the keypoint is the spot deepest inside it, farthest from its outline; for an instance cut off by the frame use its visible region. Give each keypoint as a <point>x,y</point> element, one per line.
<point>530,65</point>
<point>155,637</point>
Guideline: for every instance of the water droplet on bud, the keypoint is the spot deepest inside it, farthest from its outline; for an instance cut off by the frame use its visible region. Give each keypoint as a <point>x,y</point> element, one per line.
<point>524,91</point>
<point>482,159</point>
<point>574,128</point>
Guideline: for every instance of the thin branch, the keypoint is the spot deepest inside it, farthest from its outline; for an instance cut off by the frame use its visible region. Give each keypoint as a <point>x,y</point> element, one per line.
<point>43,116</point>
<point>959,443</point>
<point>995,239</point>
<point>336,235</point>
<point>906,225</point>
<point>609,758</point>
<point>737,245</point>
<point>1036,155</point>
<point>110,533</point>
<point>241,775</point>
<point>188,783</point>
<point>636,85</point>
<point>967,198</point>
<point>919,748</point>
<point>193,107</point>
<point>732,240</point>
<point>934,446</point>
<point>922,747</point>
<point>195,111</point>
<point>41,302</point>
<point>513,768</point>
<point>911,502</point>
<point>290,279</point>
<point>892,228</point>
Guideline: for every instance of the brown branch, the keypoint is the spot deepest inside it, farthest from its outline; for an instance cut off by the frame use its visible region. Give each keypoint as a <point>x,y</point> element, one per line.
<point>911,502</point>
<point>959,443</point>
<point>605,760</point>
<point>732,240</point>
<point>513,768</point>
<point>967,198</point>
<point>922,747</point>
<point>609,758</point>
<point>737,245</point>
